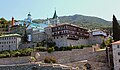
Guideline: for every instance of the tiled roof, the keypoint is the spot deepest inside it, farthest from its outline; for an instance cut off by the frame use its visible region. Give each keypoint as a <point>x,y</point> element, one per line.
<point>117,42</point>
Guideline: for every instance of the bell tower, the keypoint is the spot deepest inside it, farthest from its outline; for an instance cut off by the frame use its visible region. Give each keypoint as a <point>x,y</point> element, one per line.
<point>55,18</point>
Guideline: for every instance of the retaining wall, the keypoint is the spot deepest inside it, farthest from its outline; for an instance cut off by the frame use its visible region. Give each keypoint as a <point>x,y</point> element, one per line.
<point>70,56</point>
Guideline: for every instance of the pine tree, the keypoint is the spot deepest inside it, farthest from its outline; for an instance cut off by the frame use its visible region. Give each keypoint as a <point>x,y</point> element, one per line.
<point>116,29</point>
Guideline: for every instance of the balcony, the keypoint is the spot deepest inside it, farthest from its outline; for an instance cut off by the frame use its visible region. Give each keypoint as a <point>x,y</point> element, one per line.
<point>72,37</point>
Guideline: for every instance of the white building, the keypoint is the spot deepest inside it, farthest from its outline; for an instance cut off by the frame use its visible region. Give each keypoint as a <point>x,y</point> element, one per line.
<point>116,55</point>
<point>9,42</point>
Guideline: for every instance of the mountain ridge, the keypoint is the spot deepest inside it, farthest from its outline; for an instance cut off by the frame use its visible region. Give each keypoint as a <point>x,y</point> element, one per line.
<point>81,20</point>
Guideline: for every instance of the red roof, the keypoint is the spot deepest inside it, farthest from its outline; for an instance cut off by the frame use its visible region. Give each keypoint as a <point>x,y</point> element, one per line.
<point>117,42</point>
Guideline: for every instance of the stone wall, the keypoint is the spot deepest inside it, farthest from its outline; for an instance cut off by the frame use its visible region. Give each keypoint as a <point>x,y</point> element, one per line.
<point>38,66</point>
<point>17,63</point>
<point>69,56</point>
<point>27,45</point>
<point>14,60</point>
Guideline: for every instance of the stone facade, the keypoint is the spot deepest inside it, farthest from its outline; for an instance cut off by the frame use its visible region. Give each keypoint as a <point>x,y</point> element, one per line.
<point>34,66</point>
<point>116,55</point>
<point>62,57</point>
<point>70,56</point>
<point>66,34</point>
<point>27,45</point>
<point>38,36</point>
<point>96,37</point>
<point>63,41</point>
<point>14,60</point>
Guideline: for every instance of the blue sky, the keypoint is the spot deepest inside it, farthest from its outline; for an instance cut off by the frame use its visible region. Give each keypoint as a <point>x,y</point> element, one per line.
<point>41,9</point>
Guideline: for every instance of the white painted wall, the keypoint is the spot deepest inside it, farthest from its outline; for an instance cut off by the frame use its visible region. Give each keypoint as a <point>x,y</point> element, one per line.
<point>9,43</point>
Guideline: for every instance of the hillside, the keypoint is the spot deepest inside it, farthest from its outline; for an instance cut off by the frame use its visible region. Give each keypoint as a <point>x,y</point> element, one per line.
<point>84,21</point>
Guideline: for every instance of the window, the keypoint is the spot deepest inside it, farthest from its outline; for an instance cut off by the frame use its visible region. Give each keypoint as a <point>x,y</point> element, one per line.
<point>119,60</point>
<point>9,47</point>
<point>118,53</point>
<point>2,47</point>
<point>117,46</point>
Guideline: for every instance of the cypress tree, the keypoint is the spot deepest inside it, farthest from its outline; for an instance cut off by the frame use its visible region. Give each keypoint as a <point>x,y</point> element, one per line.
<point>116,29</point>
<point>25,38</point>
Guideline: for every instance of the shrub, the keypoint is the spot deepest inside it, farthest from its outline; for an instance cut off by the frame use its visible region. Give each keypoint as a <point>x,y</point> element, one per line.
<point>65,48</point>
<point>17,53</point>
<point>81,47</point>
<point>56,48</point>
<point>40,49</point>
<point>6,53</point>
<point>51,44</point>
<point>76,47</point>
<point>69,48</point>
<point>2,56</point>
<point>86,45</point>
<point>12,53</point>
<point>26,52</point>
<point>51,50</point>
<point>50,60</point>
<point>33,59</point>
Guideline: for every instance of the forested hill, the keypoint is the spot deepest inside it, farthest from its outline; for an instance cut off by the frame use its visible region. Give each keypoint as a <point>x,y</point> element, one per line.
<point>84,21</point>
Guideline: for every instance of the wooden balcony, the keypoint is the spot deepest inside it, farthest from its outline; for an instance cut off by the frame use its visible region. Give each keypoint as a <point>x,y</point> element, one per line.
<point>72,37</point>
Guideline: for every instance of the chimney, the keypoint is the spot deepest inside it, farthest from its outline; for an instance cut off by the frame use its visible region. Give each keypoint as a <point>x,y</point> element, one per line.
<point>12,21</point>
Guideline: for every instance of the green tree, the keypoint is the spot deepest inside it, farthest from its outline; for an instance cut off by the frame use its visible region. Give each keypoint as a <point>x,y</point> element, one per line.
<point>25,37</point>
<point>103,45</point>
<point>108,41</point>
<point>116,29</point>
<point>51,49</point>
